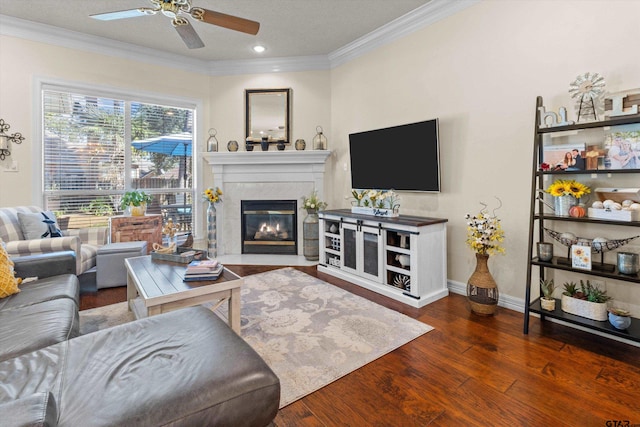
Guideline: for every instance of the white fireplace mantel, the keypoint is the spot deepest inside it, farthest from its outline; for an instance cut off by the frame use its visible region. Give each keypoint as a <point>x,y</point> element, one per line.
<point>262,175</point>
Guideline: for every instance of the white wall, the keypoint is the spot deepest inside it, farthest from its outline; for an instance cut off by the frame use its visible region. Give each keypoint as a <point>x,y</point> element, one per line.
<point>479,71</point>
<point>26,62</point>
<point>310,103</point>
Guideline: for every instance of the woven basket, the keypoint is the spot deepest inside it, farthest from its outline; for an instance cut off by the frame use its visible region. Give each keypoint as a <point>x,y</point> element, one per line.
<point>583,308</point>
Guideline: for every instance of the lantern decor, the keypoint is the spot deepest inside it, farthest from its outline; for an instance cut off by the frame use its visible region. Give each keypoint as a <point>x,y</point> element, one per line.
<point>212,142</point>
<point>319,141</point>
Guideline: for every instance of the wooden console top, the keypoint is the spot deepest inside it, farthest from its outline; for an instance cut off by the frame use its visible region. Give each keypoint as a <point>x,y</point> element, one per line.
<point>408,220</point>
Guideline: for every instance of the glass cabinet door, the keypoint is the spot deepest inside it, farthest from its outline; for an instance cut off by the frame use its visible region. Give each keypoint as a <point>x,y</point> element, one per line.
<point>371,249</point>
<point>349,255</point>
<point>361,250</point>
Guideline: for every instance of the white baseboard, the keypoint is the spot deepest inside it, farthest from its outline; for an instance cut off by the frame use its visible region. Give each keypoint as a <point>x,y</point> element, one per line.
<point>517,304</point>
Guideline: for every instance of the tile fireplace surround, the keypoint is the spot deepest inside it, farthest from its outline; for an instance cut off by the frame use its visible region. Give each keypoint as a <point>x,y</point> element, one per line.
<point>262,175</point>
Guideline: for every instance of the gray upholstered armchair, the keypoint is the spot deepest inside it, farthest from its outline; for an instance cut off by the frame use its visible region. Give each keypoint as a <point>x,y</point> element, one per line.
<point>19,238</point>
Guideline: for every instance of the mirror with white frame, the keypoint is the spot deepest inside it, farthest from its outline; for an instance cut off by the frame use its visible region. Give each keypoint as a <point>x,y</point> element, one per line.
<point>267,115</point>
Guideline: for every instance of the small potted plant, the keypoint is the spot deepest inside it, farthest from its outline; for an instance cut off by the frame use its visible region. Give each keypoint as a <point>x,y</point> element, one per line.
<point>134,203</point>
<point>619,318</point>
<point>547,301</point>
<point>588,301</point>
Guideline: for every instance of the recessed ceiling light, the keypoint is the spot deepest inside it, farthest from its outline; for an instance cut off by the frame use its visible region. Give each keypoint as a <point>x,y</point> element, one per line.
<point>259,48</point>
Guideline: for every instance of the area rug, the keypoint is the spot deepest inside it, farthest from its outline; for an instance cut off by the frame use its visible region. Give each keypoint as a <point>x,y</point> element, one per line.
<point>309,332</point>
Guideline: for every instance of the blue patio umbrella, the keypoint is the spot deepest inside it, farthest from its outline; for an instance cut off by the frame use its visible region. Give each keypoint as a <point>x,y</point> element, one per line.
<point>171,145</point>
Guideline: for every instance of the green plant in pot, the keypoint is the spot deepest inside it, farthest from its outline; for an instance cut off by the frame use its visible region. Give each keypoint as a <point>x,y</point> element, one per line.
<point>547,301</point>
<point>135,202</point>
<point>587,300</point>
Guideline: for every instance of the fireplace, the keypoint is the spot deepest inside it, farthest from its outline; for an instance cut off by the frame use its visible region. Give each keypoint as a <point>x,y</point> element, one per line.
<point>262,175</point>
<point>269,227</point>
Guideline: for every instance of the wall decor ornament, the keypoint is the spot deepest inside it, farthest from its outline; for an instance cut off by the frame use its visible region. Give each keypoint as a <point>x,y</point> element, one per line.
<point>5,148</point>
<point>559,119</point>
<point>212,142</point>
<point>622,104</point>
<point>587,89</point>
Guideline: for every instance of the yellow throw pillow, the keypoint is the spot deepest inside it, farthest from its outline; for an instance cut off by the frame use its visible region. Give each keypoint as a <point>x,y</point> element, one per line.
<point>8,281</point>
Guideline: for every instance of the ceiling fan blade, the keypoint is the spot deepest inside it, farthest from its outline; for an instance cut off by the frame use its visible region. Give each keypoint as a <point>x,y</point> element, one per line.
<point>121,14</point>
<point>227,21</point>
<point>189,35</point>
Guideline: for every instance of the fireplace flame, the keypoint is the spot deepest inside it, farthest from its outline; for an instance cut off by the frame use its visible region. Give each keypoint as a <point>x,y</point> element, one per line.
<point>270,230</point>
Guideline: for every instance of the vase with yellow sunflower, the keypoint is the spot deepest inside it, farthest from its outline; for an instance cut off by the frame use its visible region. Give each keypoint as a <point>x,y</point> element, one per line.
<point>213,196</point>
<point>566,194</point>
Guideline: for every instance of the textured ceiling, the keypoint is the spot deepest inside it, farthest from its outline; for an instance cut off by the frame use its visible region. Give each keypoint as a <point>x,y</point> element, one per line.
<point>289,28</point>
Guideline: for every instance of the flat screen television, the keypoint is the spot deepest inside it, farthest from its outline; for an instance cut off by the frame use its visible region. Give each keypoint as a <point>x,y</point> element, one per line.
<point>399,158</point>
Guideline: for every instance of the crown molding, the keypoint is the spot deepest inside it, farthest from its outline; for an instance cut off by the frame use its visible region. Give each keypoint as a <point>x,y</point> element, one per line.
<point>269,65</point>
<point>415,20</point>
<point>48,34</point>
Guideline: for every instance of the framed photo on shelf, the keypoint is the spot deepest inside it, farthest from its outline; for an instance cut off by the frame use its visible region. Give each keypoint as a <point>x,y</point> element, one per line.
<point>568,157</point>
<point>581,257</point>
<point>622,149</point>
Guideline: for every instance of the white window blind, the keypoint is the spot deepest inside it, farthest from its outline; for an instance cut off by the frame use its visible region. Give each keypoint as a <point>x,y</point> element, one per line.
<point>95,148</point>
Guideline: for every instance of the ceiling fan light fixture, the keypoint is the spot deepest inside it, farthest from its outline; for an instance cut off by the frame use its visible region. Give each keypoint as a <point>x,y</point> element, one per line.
<point>259,48</point>
<point>175,9</point>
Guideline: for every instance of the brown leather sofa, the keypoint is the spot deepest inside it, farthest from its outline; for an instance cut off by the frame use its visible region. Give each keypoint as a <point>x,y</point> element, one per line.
<point>183,368</point>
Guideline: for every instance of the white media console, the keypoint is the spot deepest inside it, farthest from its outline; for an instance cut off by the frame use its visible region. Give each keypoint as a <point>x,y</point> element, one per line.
<point>404,258</point>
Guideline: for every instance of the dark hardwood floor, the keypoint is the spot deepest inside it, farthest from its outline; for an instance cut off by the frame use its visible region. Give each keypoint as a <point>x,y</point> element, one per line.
<point>471,371</point>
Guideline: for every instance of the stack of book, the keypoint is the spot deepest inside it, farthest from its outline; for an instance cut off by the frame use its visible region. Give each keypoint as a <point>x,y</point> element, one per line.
<point>207,269</point>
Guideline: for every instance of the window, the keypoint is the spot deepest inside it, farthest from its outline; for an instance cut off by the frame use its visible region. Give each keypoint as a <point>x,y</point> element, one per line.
<point>96,147</point>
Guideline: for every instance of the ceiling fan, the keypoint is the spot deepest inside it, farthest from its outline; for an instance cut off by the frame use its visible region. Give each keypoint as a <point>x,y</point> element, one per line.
<point>174,9</point>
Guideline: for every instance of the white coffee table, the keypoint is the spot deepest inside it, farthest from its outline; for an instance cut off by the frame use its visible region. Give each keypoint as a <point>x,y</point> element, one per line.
<point>155,287</point>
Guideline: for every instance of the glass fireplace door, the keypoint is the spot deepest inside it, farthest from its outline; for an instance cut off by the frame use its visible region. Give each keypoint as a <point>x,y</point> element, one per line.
<point>269,227</point>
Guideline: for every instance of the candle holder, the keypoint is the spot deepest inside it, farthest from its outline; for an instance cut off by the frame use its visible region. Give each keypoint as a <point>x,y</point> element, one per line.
<point>545,251</point>
<point>628,263</point>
